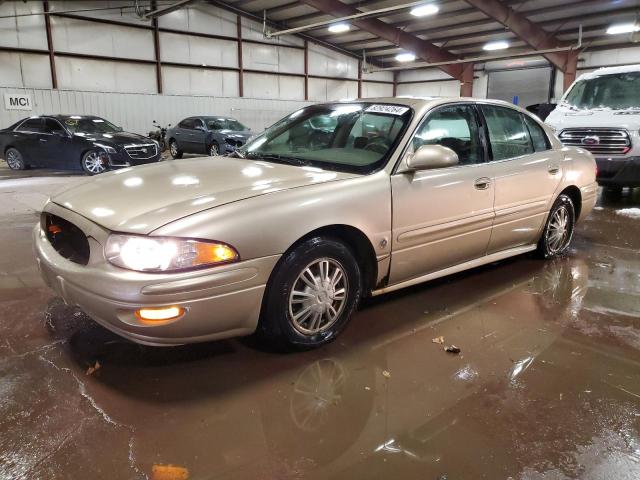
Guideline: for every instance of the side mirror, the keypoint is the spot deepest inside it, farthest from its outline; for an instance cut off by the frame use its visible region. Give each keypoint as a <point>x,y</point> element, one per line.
<point>201,128</point>
<point>428,157</point>
<point>119,129</point>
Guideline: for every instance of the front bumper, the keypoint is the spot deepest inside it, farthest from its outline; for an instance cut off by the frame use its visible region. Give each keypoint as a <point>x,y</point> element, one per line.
<point>122,160</point>
<point>619,172</point>
<point>220,302</point>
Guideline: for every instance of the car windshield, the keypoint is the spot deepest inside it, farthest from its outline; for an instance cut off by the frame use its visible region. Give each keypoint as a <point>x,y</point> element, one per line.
<point>617,91</point>
<point>82,125</point>
<point>225,124</point>
<point>356,137</point>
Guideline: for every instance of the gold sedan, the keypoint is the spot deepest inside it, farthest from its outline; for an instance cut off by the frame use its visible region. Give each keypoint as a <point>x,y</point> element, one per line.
<point>332,203</point>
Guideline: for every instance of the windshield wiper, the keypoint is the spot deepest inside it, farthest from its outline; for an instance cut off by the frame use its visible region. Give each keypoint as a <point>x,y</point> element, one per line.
<point>276,157</point>
<point>236,153</point>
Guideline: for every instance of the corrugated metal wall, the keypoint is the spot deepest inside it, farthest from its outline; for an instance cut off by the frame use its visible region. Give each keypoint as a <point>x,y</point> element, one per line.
<point>134,111</point>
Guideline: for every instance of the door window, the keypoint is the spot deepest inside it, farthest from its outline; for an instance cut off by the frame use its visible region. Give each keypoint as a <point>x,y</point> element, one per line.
<point>508,133</point>
<point>187,123</point>
<point>455,127</point>
<point>538,137</point>
<point>198,124</point>
<point>53,126</point>
<point>32,125</point>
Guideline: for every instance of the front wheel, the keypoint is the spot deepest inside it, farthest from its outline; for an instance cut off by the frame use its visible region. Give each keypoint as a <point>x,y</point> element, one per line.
<point>558,231</point>
<point>214,150</point>
<point>15,159</point>
<point>93,162</point>
<point>174,150</point>
<point>311,296</point>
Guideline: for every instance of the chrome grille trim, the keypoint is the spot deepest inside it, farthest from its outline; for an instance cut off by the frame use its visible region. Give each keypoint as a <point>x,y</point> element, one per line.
<point>610,141</point>
<point>136,151</point>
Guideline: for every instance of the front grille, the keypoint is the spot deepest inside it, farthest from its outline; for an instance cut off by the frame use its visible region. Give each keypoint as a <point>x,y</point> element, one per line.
<point>599,141</point>
<point>142,152</point>
<point>67,239</point>
<point>234,143</point>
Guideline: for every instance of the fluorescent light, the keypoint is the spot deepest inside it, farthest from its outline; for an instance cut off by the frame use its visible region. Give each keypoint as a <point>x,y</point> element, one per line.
<point>499,45</point>
<point>339,27</point>
<point>623,28</point>
<point>405,57</point>
<point>424,10</point>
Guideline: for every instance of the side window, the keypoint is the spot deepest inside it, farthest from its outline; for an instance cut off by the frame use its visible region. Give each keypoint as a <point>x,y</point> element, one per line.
<point>508,133</point>
<point>52,125</point>
<point>215,125</point>
<point>197,123</point>
<point>187,123</point>
<point>455,127</point>
<point>538,137</point>
<point>32,125</point>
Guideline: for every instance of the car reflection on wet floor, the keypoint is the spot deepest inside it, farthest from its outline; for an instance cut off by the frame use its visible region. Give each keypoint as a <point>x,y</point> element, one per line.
<point>547,384</point>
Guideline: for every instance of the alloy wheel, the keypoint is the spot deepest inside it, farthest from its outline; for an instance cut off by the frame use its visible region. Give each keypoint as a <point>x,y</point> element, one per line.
<point>213,150</point>
<point>173,148</point>
<point>14,160</point>
<point>318,296</point>
<point>558,232</point>
<point>93,163</point>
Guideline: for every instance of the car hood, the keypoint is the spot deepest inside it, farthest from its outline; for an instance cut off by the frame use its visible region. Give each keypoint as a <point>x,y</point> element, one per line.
<point>564,117</point>
<point>120,138</point>
<point>142,199</point>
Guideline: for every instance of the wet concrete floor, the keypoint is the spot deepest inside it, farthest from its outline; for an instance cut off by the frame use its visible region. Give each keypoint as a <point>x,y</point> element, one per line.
<point>547,384</point>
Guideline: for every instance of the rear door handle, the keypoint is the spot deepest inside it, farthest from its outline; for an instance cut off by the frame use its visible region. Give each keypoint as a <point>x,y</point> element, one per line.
<point>553,169</point>
<point>43,139</point>
<point>482,183</point>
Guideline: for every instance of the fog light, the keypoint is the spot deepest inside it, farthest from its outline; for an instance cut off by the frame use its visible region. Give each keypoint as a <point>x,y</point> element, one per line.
<point>159,314</point>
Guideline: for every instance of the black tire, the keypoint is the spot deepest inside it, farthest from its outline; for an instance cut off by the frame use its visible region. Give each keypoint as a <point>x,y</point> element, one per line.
<point>277,327</point>
<point>14,159</point>
<point>550,244</point>
<point>174,149</point>
<point>92,163</point>
<point>214,149</point>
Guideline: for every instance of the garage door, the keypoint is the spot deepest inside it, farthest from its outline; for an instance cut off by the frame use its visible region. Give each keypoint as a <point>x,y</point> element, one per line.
<point>530,85</point>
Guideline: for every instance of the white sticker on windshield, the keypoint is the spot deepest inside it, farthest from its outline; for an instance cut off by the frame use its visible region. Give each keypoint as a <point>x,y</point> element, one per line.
<point>390,109</point>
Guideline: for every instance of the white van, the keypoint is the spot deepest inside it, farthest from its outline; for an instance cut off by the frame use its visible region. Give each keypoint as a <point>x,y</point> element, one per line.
<point>601,113</point>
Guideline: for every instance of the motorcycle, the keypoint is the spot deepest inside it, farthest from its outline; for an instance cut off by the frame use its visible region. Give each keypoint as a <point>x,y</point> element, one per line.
<point>160,135</point>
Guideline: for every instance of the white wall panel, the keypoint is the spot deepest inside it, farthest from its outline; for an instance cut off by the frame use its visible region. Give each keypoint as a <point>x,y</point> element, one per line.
<point>450,88</point>
<point>381,76</point>
<point>198,50</point>
<point>325,62</point>
<point>201,19</point>
<point>253,31</point>
<point>22,32</point>
<point>621,56</point>
<point>272,58</point>
<point>322,90</point>
<point>24,70</point>
<point>117,10</point>
<point>422,74</point>
<point>191,81</point>
<point>261,85</point>
<point>105,76</point>
<point>370,89</point>
<point>135,112</point>
<point>92,38</point>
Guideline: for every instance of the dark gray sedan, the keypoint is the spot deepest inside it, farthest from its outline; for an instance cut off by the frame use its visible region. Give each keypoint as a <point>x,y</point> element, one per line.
<point>209,135</point>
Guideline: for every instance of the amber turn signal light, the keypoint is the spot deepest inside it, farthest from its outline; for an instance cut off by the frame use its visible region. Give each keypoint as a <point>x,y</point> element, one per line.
<point>159,314</point>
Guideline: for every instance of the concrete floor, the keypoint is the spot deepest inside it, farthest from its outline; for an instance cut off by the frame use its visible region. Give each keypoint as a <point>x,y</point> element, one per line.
<point>547,384</point>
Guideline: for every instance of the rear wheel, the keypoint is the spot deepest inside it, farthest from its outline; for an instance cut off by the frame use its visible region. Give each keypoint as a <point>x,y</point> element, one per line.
<point>93,162</point>
<point>174,149</point>
<point>15,160</point>
<point>558,231</point>
<point>311,296</point>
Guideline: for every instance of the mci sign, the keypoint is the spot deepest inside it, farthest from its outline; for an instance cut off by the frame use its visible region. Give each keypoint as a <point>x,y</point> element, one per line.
<point>17,102</point>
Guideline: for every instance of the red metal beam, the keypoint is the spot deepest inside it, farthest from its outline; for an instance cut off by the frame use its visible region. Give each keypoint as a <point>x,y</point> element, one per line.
<point>240,64</point>
<point>523,28</point>
<point>466,82</point>
<point>52,57</point>
<point>421,48</point>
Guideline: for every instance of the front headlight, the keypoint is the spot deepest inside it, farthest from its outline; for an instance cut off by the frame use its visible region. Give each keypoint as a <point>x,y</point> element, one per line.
<point>106,148</point>
<point>163,254</point>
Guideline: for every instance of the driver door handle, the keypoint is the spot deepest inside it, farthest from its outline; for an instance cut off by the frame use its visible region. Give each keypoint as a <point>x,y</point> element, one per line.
<point>482,183</point>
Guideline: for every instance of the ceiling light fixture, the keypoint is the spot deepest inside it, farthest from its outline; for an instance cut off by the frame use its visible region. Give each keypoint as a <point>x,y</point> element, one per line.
<point>623,28</point>
<point>405,57</point>
<point>499,45</point>
<point>339,28</point>
<point>424,10</point>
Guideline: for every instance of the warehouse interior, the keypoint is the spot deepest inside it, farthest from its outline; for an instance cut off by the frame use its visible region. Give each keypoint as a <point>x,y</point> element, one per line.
<point>518,368</point>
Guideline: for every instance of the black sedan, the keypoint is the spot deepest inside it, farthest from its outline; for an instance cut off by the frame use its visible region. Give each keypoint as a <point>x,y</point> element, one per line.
<point>74,142</point>
<point>209,135</point>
